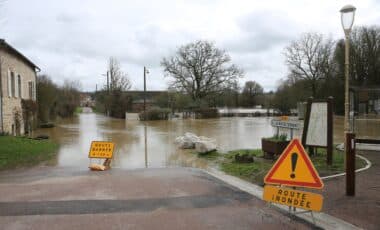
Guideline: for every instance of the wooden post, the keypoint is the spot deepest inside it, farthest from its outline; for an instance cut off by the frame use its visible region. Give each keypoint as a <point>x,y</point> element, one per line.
<point>350,164</point>
<point>306,120</point>
<point>329,131</point>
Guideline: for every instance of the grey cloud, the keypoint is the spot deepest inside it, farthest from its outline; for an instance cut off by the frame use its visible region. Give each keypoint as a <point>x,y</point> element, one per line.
<point>68,39</point>
<point>261,31</point>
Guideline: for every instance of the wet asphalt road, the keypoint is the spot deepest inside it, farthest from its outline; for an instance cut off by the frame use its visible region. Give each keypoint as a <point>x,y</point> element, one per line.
<point>171,198</point>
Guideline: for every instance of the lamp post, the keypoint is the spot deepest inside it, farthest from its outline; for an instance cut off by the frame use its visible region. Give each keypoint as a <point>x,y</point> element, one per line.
<point>146,71</point>
<point>347,19</point>
<point>108,90</point>
<point>108,83</point>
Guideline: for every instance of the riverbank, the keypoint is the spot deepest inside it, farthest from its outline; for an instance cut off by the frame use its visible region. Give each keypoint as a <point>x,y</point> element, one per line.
<point>16,152</point>
<point>255,171</point>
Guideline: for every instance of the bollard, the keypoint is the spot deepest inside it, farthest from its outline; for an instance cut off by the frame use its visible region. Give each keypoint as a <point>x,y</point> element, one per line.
<point>350,164</point>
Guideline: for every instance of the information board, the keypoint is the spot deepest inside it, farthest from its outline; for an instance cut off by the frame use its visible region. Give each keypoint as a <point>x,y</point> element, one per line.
<point>317,127</point>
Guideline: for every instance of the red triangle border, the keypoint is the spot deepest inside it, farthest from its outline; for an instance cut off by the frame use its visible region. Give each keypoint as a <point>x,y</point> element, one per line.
<point>317,184</point>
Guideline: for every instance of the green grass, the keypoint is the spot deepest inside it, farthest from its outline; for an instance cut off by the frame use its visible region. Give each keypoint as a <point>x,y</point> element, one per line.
<point>210,156</point>
<point>78,110</point>
<point>18,152</point>
<point>256,171</point>
<point>251,152</point>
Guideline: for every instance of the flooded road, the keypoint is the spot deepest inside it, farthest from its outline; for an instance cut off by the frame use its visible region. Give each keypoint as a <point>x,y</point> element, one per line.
<point>151,144</point>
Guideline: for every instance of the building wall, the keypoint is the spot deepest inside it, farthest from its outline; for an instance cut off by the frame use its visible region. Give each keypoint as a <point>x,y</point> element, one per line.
<point>12,103</point>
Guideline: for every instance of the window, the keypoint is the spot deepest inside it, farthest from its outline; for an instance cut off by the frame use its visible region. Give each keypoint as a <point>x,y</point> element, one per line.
<point>31,90</point>
<point>13,86</point>
<point>19,86</point>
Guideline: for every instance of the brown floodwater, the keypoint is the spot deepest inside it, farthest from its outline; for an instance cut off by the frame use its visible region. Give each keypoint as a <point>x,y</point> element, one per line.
<point>151,144</point>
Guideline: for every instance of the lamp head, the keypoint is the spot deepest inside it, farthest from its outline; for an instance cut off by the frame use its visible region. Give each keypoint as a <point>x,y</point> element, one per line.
<point>347,17</point>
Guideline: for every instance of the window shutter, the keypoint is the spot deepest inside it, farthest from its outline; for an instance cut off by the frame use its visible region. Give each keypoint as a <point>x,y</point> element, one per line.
<point>34,90</point>
<point>30,91</point>
<point>16,85</point>
<point>19,86</point>
<point>9,84</point>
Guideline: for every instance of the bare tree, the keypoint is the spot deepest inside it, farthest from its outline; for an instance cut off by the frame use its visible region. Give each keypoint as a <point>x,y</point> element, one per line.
<point>118,79</point>
<point>200,69</point>
<point>310,58</point>
<point>112,99</point>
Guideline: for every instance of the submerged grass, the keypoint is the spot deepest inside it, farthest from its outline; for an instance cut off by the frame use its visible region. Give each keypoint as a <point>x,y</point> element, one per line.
<point>22,152</point>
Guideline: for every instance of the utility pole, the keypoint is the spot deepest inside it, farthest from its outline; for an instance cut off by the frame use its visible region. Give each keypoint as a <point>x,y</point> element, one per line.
<point>108,89</point>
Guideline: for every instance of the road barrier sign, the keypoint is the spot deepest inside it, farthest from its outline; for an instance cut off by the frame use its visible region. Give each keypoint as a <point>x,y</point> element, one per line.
<point>294,168</point>
<point>293,198</point>
<point>101,149</point>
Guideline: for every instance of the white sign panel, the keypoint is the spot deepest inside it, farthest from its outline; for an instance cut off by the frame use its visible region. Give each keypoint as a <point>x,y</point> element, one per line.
<point>285,124</point>
<point>317,129</point>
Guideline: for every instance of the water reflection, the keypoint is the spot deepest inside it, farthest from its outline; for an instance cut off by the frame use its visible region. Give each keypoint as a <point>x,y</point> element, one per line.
<point>151,144</point>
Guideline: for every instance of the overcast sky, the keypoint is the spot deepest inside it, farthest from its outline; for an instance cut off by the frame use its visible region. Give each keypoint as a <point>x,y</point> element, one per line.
<point>73,39</point>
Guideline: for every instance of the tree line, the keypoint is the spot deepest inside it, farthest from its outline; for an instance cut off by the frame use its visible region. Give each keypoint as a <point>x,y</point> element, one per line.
<point>56,101</point>
<point>203,76</point>
<point>316,67</point>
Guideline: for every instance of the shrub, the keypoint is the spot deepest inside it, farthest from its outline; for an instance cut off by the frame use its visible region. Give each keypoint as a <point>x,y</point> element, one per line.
<point>206,113</point>
<point>277,138</point>
<point>155,114</point>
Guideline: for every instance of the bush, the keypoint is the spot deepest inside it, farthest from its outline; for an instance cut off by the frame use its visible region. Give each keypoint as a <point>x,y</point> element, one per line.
<point>277,138</point>
<point>155,114</point>
<point>206,113</point>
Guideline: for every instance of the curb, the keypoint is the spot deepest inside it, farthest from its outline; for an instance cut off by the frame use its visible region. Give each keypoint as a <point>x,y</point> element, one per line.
<point>322,220</point>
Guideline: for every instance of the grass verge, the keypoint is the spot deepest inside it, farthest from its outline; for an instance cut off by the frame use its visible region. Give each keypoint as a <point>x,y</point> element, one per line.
<point>18,152</point>
<point>78,110</point>
<point>256,171</point>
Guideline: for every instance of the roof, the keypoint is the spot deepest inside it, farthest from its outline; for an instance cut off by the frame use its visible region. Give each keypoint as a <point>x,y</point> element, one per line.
<point>375,88</point>
<point>3,43</point>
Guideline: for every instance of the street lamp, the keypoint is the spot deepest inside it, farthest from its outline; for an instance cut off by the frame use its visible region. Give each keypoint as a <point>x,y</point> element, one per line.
<point>108,91</point>
<point>347,19</point>
<point>106,75</point>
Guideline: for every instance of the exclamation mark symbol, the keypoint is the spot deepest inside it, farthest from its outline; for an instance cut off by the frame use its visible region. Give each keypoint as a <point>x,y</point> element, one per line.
<point>294,158</point>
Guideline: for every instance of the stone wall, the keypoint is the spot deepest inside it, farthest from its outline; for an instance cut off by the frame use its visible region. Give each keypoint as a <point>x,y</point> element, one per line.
<point>12,104</point>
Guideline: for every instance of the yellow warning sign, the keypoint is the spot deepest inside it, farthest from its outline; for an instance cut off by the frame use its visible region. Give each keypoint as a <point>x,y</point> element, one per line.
<point>294,168</point>
<point>101,149</point>
<point>293,198</point>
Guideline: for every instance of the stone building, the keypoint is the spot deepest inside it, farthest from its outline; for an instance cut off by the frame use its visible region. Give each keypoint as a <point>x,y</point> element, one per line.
<point>18,82</point>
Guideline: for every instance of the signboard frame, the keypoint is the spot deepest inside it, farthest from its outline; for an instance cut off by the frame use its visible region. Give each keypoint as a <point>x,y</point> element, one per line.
<point>330,112</point>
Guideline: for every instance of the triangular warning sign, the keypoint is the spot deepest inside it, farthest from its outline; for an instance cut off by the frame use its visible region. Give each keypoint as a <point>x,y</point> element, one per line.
<point>294,168</point>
